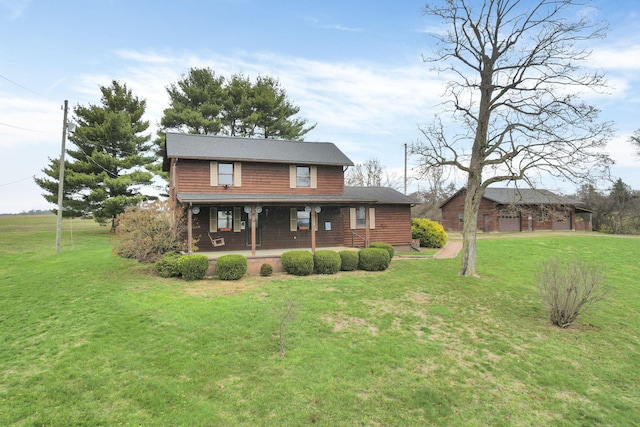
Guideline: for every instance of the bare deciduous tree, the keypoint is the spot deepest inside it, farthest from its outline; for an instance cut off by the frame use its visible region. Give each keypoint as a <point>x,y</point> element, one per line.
<point>371,174</point>
<point>514,98</point>
<point>635,140</point>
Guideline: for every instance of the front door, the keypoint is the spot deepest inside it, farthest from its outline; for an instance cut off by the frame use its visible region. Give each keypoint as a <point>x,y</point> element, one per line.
<point>247,229</point>
<point>486,223</point>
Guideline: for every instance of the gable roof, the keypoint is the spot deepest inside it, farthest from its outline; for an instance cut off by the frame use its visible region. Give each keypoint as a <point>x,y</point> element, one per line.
<point>527,196</point>
<point>379,194</point>
<point>521,196</point>
<point>207,147</point>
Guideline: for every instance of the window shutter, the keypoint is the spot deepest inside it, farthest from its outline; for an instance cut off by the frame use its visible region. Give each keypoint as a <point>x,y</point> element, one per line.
<point>237,219</point>
<point>292,176</point>
<point>313,179</point>
<point>372,218</point>
<point>293,219</point>
<point>213,174</point>
<point>352,218</point>
<point>237,174</point>
<point>213,220</point>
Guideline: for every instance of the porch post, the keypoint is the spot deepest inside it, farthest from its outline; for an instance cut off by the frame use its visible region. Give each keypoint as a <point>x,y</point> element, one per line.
<point>314,219</point>
<point>189,230</point>
<point>253,230</point>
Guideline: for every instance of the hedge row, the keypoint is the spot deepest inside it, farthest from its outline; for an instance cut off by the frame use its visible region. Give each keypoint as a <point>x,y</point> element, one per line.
<point>376,257</point>
<point>195,266</point>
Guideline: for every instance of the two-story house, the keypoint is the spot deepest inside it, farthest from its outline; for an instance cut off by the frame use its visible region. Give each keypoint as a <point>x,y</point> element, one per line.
<point>244,193</point>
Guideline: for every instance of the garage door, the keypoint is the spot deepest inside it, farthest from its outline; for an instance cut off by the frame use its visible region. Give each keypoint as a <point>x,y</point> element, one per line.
<point>509,221</point>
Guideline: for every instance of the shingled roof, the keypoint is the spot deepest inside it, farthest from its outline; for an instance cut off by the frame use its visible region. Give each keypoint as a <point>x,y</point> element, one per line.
<point>522,196</point>
<point>207,147</point>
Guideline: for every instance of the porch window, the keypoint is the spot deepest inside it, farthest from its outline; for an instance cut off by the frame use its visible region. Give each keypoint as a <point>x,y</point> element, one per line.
<point>225,173</point>
<point>225,219</point>
<point>300,219</point>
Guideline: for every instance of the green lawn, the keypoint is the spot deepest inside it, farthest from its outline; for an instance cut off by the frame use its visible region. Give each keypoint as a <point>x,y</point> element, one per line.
<point>88,338</point>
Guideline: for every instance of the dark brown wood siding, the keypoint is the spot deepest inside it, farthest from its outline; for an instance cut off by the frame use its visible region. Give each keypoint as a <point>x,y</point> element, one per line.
<point>392,225</point>
<point>193,176</point>
<point>452,211</point>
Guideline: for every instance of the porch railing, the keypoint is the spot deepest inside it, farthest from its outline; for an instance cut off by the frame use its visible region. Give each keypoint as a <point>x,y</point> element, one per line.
<point>355,237</point>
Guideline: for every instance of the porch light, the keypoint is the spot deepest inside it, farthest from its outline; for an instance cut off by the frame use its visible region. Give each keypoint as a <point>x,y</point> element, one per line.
<point>247,209</point>
<point>258,209</point>
<point>318,209</point>
<point>307,208</point>
<point>195,210</point>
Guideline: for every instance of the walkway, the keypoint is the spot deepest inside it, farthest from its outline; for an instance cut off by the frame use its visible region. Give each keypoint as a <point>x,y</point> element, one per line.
<point>450,250</point>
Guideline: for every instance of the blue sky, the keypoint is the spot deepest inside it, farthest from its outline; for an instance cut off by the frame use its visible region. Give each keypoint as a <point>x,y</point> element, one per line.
<point>354,68</point>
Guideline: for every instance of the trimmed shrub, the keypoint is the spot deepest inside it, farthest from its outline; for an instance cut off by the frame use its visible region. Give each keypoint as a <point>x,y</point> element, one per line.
<point>569,288</point>
<point>349,260</point>
<point>373,259</point>
<point>298,263</point>
<point>167,266</point>
<point>386,246</point>
<point>326,262</point>
<point>193,267</point>
<point>430,233</point>
<point>231,267</point>
<point>266,269</point>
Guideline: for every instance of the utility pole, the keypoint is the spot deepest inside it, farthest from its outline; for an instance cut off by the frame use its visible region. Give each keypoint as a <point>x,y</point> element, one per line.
<point>61,176</point>
<point>405,168</point>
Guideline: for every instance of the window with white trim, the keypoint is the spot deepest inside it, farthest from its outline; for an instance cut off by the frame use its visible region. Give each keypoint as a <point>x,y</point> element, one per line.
<point>225,219</point>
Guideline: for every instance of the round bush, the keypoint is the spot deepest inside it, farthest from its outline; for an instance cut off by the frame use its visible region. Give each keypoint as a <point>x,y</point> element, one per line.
<point>349,260</point>
<point>193,267</point>
<point>430,233</point>
<point>266,269</point>
<point>298,263</point>
<point>386,246</point>
<point>326,262</point>
<point>373,259</point>
<point>231,267</point>
<point>167,266</point>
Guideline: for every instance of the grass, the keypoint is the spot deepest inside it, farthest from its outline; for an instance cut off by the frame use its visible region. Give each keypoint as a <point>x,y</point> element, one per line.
<point>92,339</point>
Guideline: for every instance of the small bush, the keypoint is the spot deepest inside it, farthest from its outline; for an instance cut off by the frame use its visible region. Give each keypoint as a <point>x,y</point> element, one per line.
<point>193,267</point>
<point>231,267</point>
<point>569,288</point>
<point>326,262</point>
<point>430,233</point>
<point>266,269</point>
<point>386,246</point>
<point>298,263</point>
<point>349,260</point>
<point>373,259</point>
<point>167,266</point>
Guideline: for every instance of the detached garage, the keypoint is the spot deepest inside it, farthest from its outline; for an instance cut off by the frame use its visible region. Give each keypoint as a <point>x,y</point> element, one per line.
<point>515,209</point>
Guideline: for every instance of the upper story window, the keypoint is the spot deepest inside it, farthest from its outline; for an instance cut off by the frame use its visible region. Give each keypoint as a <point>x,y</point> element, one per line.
<point>303,176</point>
<point>225,173</point>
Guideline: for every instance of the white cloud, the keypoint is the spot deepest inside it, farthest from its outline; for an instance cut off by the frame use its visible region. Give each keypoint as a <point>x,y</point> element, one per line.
<point>14,8</point>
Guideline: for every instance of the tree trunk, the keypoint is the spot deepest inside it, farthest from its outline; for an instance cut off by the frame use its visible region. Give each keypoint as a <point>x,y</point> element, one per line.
<point>470,225</point>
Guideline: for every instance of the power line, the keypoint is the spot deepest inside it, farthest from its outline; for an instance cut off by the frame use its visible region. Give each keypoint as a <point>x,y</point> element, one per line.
<point>18,127</point>
<point>20,180</point>
<point>21,86</point>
